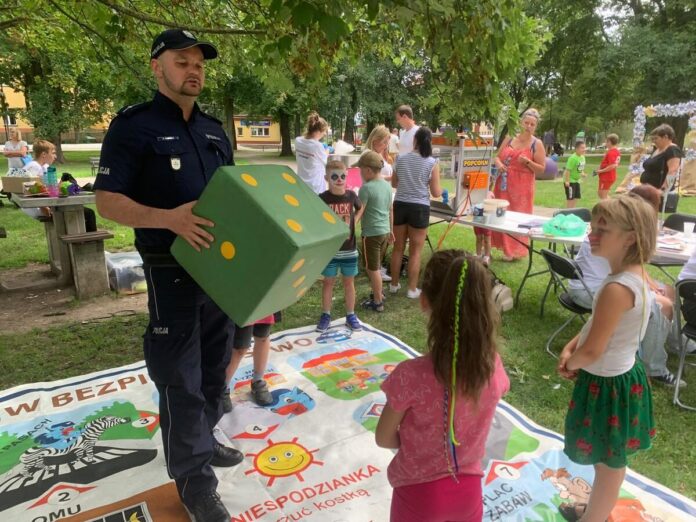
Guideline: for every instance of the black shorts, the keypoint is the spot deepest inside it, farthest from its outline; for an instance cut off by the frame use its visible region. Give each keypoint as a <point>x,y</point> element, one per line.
<point>242,334</point>
<point>573,191</point>
<point>412,214</point>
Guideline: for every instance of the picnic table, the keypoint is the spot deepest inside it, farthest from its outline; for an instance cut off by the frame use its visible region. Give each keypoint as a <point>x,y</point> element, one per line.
<point>516,225</point>
<point>76,256</point>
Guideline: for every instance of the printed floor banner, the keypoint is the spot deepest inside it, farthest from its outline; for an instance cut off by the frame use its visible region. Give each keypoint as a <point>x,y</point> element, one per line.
<point>89,448</point>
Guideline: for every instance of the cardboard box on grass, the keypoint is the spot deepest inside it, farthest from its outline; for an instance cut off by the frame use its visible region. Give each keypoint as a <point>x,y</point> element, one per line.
<point>273,238</point>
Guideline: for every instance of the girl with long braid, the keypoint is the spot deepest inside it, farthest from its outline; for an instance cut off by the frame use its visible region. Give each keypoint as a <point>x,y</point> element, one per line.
<point>610,415</point>
<point>440,406</point>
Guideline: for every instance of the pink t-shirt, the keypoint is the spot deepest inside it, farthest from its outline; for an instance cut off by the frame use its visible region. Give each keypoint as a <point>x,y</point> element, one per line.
<point>412,387</point>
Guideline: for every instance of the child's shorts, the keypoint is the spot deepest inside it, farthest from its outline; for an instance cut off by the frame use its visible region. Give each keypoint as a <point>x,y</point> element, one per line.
<point>605,182</point>
<point>374,248</point>
<point>439,501</point>
<point>483,232</point>
<point>347,266</point>
<point>242,334</point>
<point>573,191</point>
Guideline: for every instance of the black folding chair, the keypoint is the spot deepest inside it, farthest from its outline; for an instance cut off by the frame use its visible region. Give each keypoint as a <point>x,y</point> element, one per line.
<point>582,213</point>
<point>586,216</point>
<point>674,222</point>
<point>564,269</point>
<point>684,307</point>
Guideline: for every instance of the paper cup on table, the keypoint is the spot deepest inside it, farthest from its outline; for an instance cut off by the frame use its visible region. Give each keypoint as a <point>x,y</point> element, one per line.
<point>689,230</point>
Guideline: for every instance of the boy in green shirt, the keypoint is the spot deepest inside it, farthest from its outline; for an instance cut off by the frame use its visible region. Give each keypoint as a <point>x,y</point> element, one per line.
<point>377,223</point>
<point>574,171</point>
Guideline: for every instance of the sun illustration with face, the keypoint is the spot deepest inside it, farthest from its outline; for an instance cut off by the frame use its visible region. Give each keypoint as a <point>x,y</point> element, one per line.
<point>282,459</point>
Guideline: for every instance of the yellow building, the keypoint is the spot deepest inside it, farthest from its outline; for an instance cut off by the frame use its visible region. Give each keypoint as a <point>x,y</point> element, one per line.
<point>256,132</point>
<point>15,103</point>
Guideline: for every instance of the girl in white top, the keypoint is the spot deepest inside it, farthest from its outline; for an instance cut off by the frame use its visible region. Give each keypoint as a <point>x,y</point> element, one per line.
<point>311,155</point>
<point>610,414</point>
<point>378,141</point>
<point>15,149</point>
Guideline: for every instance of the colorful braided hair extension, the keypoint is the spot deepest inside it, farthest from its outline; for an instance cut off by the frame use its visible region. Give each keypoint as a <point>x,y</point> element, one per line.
<point>455,352</point>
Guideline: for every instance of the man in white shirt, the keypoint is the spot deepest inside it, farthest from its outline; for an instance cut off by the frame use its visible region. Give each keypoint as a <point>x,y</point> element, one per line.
<point>404,117</point>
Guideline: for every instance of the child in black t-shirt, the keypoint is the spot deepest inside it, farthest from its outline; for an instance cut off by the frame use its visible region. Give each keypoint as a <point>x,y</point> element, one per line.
<point>347,206</point>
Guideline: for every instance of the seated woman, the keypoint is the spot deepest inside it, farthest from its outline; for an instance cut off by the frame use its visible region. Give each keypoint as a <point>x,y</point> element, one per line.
<point>595,269</point>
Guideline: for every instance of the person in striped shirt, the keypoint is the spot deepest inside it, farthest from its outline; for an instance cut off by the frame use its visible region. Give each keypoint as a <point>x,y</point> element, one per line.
<point>416,177</point>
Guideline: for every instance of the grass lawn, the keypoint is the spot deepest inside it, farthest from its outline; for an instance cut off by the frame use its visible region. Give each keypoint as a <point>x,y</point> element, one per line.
<point>70,350</point>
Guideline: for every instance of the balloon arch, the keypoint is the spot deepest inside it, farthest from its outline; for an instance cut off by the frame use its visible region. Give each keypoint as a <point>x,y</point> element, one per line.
<point>679,109</point>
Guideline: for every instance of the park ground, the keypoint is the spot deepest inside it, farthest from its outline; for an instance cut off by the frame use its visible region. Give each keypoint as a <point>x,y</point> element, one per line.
<point>49,335</point>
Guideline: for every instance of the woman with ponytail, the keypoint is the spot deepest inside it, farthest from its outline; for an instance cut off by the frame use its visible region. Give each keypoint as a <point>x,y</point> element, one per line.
<point>440,406</point>
<point>311,155</point>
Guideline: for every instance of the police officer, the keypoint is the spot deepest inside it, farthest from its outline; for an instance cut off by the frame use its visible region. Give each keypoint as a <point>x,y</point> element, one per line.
<point>155,161</point>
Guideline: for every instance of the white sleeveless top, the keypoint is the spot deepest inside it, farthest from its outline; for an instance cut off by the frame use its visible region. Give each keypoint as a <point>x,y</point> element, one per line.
<point>620,353</point>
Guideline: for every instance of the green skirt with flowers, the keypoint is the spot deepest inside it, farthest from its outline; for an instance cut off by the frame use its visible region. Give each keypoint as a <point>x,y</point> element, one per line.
<point>609,418</point>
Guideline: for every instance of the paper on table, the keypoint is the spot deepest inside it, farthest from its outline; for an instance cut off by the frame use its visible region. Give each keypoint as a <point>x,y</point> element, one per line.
<point>534,223</point>
<point>670,244</point>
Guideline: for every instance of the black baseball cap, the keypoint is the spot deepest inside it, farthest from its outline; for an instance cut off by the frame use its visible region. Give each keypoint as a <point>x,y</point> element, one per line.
<point>180,39</point>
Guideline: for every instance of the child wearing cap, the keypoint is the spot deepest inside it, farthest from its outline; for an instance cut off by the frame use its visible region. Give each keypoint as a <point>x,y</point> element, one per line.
<point>347,205</point>
<point>377,223</point>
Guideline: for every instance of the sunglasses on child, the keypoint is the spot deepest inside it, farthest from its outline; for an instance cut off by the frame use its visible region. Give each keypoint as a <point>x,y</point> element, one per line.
<point>335,176</point>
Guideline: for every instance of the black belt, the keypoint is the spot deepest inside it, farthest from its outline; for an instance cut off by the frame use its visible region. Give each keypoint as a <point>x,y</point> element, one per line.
<point>157,256</point>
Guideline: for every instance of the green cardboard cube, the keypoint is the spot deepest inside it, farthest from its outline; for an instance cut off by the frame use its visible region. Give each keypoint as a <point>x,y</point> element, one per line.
<point>273,238</point>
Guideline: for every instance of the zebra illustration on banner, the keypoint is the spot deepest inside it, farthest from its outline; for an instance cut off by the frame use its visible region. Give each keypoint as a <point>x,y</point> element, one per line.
<point>75,450</point>
<point>36,459</point>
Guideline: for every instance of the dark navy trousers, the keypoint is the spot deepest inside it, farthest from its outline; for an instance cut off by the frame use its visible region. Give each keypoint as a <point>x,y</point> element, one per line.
<point>186,352</point>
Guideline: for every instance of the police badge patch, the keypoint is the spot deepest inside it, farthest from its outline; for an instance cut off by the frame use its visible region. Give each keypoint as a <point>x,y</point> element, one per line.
<point>176,162</point>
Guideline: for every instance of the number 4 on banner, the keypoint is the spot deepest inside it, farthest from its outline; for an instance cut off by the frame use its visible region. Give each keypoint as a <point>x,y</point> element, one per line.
<point>504,470</point>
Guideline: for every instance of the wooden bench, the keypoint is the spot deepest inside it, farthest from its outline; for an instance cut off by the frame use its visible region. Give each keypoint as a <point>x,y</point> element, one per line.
<point>88,262</point>
<point>94,161</point>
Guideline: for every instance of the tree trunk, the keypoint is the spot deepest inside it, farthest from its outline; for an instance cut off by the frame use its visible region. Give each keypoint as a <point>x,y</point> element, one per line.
<point>298,124</point>
<point>369,126</point>
<point>349,133</point>
<point>350,118</point>
<point>58,142</point>
<point>285,138</point>
<point>503,134</point>
<point>228,103</point>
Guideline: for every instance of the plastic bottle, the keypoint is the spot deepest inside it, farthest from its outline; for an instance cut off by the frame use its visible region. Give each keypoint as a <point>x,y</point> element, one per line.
<point>503,180</point>
<point>51,182</point>
<point>445,196</point>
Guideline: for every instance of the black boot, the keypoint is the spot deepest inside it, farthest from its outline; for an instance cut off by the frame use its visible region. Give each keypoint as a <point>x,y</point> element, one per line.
<point>225,457</point>
<point>207,507</point>
<point>226,402</point>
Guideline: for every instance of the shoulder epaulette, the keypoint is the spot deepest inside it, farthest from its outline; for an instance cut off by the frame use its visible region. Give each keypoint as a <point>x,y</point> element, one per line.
<point>130,110</point>
<point>211,117</point>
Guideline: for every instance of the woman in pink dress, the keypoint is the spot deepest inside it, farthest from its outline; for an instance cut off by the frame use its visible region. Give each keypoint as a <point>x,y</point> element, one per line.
<point>519,160</point>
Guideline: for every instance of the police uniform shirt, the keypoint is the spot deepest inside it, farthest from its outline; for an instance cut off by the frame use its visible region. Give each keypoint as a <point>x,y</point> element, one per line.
<point>155,157</point>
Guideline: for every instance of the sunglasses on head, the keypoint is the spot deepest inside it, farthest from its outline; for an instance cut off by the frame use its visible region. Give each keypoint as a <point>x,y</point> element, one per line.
<point>335,176</point>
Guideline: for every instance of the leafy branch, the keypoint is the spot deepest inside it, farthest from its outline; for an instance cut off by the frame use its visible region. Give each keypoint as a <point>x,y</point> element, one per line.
<point>133,13</point>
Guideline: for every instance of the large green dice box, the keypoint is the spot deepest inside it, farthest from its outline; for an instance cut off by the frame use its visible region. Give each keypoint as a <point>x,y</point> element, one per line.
<point>273,238</point>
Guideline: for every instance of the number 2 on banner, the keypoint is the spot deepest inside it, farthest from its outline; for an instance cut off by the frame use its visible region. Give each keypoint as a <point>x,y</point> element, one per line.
<point>506,472</point>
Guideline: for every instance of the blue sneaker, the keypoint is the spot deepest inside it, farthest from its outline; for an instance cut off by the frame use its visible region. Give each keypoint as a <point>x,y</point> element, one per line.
<point>353,323</point>
<point>324,323</point>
